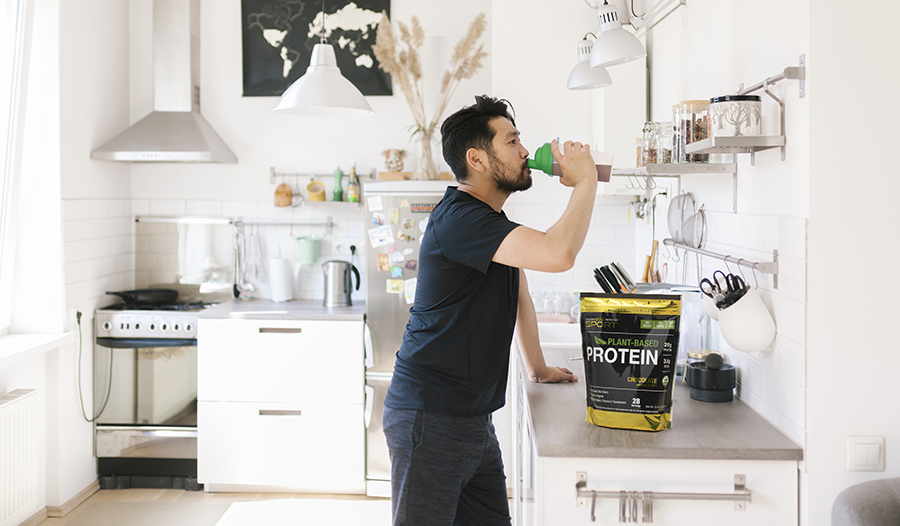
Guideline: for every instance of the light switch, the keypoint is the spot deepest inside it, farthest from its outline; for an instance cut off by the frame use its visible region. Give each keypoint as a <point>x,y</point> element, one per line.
<point>865,453</point>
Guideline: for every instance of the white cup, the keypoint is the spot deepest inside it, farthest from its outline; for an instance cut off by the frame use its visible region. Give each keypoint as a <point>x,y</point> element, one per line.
<point>747,325</point>
<point>710,307</point>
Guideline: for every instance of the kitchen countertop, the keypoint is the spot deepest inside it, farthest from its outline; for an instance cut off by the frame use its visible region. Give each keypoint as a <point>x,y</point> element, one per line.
<point>264,309</point>
<point>700,430</point>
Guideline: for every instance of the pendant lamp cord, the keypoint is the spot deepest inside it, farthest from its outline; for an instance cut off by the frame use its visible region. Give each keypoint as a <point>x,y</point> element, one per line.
<point>323,23</point>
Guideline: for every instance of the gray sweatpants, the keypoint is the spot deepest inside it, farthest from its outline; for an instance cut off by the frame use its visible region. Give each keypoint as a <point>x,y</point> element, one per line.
<point>445,470</point>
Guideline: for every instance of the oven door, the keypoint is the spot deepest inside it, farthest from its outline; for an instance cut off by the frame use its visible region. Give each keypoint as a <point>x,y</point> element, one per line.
<point>146,398</point>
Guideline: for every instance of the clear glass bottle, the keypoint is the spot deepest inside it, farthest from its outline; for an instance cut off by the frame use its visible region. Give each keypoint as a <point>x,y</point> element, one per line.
<point>648,144</point>
<point>665,142</point>
<point>691,125</point>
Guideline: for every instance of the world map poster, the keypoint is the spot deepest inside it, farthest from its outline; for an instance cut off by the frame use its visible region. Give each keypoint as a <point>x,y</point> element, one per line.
<point>279,35</point>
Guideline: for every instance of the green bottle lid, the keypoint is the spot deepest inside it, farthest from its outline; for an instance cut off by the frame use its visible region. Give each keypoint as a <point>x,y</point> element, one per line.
<point>543,159</point>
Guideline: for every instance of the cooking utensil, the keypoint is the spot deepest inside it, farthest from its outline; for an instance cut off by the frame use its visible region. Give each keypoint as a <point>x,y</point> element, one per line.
<point>626,279</point>
<point>147,296</point>
<point>681,208</point>
<point>611,278</point>
<point>243,289</point>
<point>652,276</point>
<point>601,280</point>
<point>694,231</point>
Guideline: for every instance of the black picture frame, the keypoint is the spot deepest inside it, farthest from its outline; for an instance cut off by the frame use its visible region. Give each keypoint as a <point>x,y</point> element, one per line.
<point>277,36</point>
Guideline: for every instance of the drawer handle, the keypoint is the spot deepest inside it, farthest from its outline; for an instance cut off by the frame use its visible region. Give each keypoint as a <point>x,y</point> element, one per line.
<point>279,330</point>
<point>279,412</point>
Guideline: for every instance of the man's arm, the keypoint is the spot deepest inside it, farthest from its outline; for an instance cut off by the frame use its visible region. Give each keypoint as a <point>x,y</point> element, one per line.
<point>555,249</point>
<point>529,344</point>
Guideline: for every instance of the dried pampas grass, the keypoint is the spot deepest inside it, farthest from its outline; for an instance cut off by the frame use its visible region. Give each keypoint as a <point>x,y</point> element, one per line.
<point>400,58</point>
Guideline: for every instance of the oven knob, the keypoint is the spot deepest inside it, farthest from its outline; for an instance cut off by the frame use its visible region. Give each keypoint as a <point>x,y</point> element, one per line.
<point>137,327</point>
<point>176,327</point>
<point>188,327</point>
<point>151,327</point>
<point>164,327</point>
<point>107,326</point>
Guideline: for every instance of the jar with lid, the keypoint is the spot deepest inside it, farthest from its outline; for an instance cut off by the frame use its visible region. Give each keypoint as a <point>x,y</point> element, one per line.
<point>648,144</point>
<point>691,125</point>
<point>735,116</point>
<point>665,137</point>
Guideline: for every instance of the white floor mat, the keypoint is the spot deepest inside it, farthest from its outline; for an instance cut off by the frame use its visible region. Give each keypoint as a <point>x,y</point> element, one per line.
<point>309,512</point>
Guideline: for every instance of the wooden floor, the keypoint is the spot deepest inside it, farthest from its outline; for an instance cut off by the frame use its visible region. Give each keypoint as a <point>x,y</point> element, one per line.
<point>181,496</point>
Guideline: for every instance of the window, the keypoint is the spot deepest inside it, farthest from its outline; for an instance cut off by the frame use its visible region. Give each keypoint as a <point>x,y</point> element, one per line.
<point>12,44</point>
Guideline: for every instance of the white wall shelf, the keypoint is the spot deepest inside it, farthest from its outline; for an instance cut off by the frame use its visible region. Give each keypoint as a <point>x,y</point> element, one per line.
<point>733,145</point>
<point>674,170</point>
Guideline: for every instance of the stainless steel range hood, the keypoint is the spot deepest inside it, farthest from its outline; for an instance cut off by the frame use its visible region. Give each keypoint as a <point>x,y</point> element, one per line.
<point>174,131</point>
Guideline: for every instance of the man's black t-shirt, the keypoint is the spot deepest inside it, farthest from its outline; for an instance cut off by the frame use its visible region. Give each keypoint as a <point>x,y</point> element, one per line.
<point>454,358</point>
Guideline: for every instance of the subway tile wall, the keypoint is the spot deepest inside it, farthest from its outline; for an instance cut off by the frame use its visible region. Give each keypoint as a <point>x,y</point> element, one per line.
<point>772,380</point>
<point>98,238</point>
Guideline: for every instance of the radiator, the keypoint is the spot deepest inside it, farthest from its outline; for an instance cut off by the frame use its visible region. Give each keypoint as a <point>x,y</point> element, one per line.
<point>18,456</point>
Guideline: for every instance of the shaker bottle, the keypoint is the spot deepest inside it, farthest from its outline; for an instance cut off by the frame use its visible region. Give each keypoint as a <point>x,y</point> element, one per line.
<point>543,161</point>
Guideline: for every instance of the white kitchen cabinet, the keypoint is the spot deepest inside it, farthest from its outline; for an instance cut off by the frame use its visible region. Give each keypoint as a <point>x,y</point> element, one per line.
<point>280,405</point>
<point>248,360</point>
<point>708,445</point>
<point>305,447</point>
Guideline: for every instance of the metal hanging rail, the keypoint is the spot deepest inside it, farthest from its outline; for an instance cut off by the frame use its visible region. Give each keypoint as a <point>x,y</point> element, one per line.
<point>765,267</point>
<point>628,499</point>
<point>328,223</point>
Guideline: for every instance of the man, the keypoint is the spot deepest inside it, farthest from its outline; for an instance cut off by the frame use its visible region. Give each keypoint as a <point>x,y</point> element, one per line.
<point>451,369</point>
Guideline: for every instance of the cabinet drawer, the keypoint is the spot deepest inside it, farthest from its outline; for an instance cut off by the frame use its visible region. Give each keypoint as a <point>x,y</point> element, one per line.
<point>314,448</point>
<point>280,361</point>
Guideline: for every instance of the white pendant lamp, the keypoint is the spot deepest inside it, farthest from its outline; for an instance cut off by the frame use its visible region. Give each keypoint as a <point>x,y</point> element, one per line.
<point>583,76</point>
<point>614,45</point>
<point>323,91</point>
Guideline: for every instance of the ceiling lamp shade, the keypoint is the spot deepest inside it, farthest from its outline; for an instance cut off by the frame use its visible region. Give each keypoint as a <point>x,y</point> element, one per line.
<point>323,91</point>
<point>614,45</point>
<point>583,76</point>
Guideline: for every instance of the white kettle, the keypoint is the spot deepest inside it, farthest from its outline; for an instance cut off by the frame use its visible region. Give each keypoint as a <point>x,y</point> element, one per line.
<point>338,284</point>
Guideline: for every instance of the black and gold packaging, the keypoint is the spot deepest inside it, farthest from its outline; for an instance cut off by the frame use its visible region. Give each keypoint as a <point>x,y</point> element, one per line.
<point>629,345</point>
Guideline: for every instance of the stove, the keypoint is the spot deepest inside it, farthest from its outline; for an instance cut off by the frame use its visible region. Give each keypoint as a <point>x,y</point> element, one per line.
<point>126,325</point>
<point>146,390</point>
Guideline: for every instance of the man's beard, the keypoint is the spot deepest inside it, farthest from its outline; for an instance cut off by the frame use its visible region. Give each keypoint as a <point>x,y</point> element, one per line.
<point>508,179</point>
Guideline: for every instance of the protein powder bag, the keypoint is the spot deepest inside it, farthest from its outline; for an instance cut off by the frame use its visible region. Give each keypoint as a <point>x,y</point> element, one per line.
<point>629,344</point>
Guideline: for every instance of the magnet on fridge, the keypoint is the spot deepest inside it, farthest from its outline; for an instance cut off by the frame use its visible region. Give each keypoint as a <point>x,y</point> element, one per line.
<point>378,218</point>
<point>422,224</point>
<point>407,251</point>
<point>409,290</point>
<point>374,203</point>
<point>384,262</point>
<point>393,248</point>
<point>409,224</point>
<point>380,236</point>
<point>394,286</point>
<point>410,264</point>
<point>404,203</point>
<point>396,272</point>
<point>393,216</point>
<point>397,257</point>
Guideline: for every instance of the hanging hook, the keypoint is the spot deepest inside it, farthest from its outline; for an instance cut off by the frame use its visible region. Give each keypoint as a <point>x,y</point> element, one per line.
<point>740,270</point>
<point>755,275</point>
<point>628,182</point>
<point>651,182</point>
<point>726,264</point>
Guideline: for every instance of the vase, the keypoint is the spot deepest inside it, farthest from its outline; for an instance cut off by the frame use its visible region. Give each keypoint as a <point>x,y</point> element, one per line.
<point>426,152</point>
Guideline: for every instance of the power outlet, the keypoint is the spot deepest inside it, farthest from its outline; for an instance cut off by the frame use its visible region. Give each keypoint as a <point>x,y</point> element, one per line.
<point>72,317</point>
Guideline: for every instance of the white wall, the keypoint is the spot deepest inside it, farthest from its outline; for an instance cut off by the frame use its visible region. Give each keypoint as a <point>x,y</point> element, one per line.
<point>853,224</point>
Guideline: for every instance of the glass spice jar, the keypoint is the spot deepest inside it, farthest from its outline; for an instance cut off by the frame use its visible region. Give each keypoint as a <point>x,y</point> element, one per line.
<point>691,125</point>
<point>665,137</point>
<point>648,144</point>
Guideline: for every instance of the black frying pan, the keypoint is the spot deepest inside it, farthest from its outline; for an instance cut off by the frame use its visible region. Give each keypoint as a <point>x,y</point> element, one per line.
<point>147,296</point>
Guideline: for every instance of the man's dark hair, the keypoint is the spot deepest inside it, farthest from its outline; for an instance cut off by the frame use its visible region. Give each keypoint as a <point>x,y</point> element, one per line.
<point>470,128</point>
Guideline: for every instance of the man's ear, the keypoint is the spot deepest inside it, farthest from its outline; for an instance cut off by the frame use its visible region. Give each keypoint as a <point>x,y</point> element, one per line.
<point>476,160</point>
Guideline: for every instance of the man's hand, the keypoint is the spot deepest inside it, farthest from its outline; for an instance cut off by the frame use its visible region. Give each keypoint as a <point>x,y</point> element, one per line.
<point>552,375</point>
<point>575,161</point>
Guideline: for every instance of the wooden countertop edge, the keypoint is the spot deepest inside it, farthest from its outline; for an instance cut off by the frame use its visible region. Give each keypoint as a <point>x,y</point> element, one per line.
<point>762,455</point>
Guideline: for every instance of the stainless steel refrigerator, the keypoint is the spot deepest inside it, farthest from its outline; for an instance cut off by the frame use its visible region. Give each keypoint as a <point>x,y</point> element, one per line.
<point>397,214</point>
